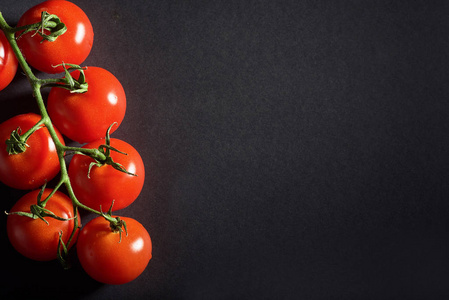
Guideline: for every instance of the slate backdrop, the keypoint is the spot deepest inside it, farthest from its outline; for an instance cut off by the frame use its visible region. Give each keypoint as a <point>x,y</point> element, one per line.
<point>294,149</point>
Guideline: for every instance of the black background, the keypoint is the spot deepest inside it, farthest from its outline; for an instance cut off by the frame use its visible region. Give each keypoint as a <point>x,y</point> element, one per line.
<point>294,149</point>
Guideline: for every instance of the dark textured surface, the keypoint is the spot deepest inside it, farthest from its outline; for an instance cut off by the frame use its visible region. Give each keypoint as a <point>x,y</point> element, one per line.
<point>294,149</point>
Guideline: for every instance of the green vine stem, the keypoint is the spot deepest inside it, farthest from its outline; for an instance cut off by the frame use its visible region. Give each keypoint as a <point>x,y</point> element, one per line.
<point>66,82</point>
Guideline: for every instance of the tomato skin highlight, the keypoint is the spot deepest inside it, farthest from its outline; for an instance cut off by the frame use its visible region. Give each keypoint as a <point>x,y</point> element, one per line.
<point>86,117</point>
<point>107,259</point>
<point>71,47</point>
<point>39,163</point>
<point>33,238</point>
<point>8,62</point>
<point>107,184</point>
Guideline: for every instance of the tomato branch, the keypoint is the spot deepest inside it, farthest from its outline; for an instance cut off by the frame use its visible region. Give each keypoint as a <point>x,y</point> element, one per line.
<point>48,204</point>
<point>79,85</point>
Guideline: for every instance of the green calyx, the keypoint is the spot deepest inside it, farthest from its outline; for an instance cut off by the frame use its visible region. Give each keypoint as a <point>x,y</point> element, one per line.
<point>116,224</point>
<point>49,28</point>
<point>16,144</point>
<point>68,82</point>
<point>79,85</point>
<point>105,150</point>
<point>38,211</point>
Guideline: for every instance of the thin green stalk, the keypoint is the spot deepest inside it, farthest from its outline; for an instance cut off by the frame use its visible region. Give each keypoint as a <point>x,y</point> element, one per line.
<point>92,152</point>
<point>44,202</point>
<point>30,131</point>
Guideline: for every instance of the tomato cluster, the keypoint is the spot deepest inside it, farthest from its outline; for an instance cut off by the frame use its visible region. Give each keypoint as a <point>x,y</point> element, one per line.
<point>107,253</point>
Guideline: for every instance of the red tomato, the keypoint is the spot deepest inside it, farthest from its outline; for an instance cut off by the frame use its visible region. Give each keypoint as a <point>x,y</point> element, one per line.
<point>8,62</point>
<point>38,164</point>
<point>35,239</point>
<point>72,47</point>
<point>107,259</point>
<point>107,184</point>
<point>86,117</point>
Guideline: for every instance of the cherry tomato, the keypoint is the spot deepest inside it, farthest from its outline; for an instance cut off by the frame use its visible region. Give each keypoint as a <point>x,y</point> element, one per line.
<point>35,239</point>
<point>71,47</point>
<point>8,62</point>
<point>106,184</point>
<point>38,164</point>
<point>107,259</point>
<point>86,117</point>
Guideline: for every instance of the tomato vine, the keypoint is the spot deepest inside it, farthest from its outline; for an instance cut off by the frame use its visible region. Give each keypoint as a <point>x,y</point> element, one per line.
<point>36,85</point>
<point>50,28</point>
